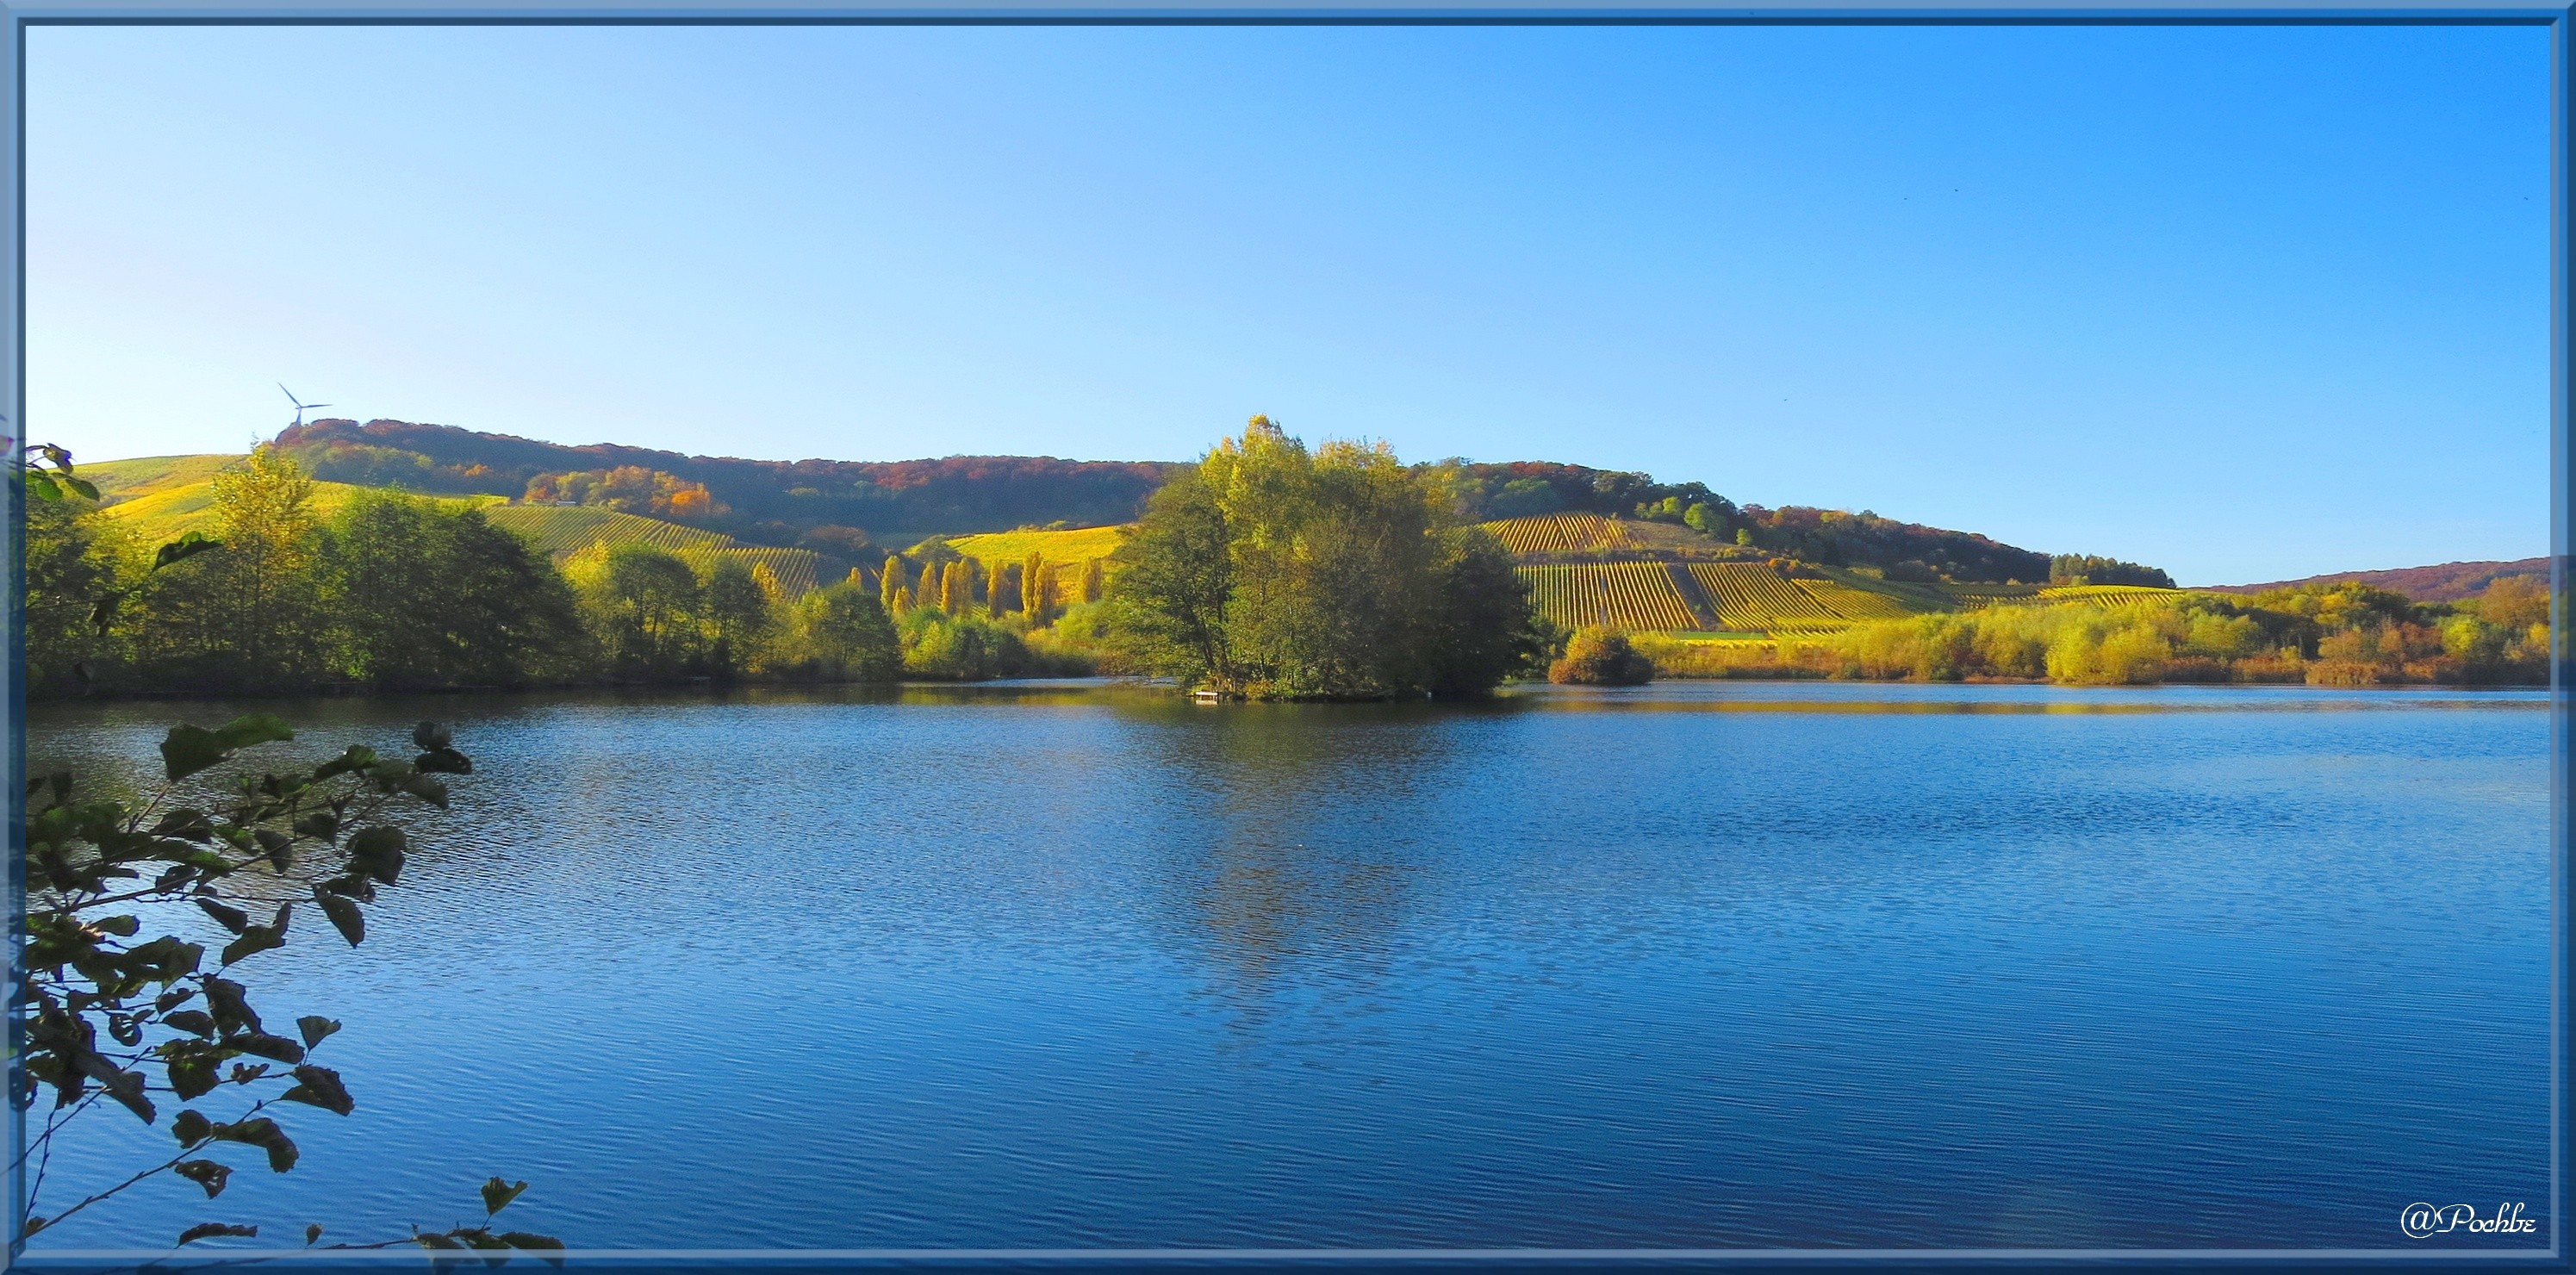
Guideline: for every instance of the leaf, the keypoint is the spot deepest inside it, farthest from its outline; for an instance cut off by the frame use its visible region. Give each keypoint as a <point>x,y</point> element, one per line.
<point>253,941</point>
<point>232,1012</point>
<point>195,1022</point>
<point>42,486</point>
<point>279,846</point>
<point>209,1174</point>
<point>345,916</point>
<point>263,1045</point>
<point>378,852</point>
<point>127,1088</point>
<point>253,728</point>
<point>312,1233</point>
<point>191,1128</point>
<point>81,485</point>
<point>498,1194</point>
<point>263,1133</point>
<point>244,1073</point>
<point>190,749</point>
<point>192,1077</point>
<point>316,1029</point>
<point>227,916</point>
<point>184,548</point>
<point>321,1087</point>
<point>430,736</point>
<point>209,1230</point>
<point>521,1239</point>
<point>432,1239</point>
<point>443,761</point>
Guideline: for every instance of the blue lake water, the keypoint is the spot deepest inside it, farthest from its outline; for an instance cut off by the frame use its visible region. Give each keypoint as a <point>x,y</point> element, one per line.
<point>1688,965</point>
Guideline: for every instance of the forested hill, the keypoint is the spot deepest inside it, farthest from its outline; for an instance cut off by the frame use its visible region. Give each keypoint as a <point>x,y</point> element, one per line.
<point>762,500</point>
<point>2448,582</point>
<point>837,507</point>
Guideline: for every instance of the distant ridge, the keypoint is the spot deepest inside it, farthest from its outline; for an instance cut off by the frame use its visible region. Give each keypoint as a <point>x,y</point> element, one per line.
<point>2449,582</point>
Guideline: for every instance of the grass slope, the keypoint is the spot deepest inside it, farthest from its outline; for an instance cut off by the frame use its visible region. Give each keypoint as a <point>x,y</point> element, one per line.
<point>166,512</point>
<point>122,480</point>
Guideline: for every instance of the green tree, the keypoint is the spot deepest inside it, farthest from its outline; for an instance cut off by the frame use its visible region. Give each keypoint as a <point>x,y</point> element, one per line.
<point>1274,571</point>
<point>741,620</point>
<point>843,634</point>
<point>425,594</point>
<point>76,559</point>
<point>644,607</point>
<point>250,616</point>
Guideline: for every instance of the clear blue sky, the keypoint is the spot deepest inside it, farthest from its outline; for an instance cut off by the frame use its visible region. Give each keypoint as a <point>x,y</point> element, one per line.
<point>2245,303</point>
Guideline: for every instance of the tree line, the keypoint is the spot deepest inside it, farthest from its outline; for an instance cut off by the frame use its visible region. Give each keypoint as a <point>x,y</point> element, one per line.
<point>2347,634</point>
<point>397,591</point>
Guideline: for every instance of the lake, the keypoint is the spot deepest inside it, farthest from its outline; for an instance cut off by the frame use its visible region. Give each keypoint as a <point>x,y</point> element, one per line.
<point>1697,965</point>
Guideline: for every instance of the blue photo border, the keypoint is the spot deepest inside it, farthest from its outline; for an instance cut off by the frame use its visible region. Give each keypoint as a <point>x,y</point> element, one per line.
<point>2561,19</point>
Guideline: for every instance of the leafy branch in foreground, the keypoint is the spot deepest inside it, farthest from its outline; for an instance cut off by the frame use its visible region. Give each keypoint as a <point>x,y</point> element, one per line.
<point>143,1023</point>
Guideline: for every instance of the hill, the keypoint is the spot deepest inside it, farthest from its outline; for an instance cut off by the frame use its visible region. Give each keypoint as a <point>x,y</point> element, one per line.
<point>157,511</point>
<point>2448,582</point>
<point>121,480</point>
<point>763,501</point>
<point>1648,576</point>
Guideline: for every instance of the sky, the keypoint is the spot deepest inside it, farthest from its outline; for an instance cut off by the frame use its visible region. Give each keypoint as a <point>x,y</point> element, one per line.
<point>2246,304</point>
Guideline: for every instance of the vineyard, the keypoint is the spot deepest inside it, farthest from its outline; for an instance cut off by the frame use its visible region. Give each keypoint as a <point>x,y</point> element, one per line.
<point>1854,604</point>
<point>796,570</point>
<point>560,529</point>
<point>2106,594</point>
<point>1747,596</point>
<point>1632,595</point>
<point>1560,533</point>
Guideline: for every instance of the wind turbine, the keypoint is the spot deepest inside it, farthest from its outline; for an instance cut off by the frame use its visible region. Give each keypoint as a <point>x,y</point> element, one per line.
<point>301,407</point>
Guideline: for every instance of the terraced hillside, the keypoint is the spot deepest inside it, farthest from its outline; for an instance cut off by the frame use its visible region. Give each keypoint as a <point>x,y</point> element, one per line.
<point>558,530</point>
<point>1561,533</point>
<point>1634,595</point>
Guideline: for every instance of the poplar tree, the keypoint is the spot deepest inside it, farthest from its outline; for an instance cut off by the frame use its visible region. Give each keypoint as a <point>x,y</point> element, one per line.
<point>954,587</point>
<point>890,582</point>
<point>1095,580</point>
<point>999,593</point>
<point>929,592</point>
<point>1034,594</point>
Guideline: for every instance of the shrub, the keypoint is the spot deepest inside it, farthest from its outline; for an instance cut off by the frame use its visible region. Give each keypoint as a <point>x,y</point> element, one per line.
<point>1597,656</point>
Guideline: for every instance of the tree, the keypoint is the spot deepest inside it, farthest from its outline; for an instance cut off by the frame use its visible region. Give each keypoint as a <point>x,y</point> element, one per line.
<point>1598,656</point>
<point>1277,572</point>
<point>889,580</point>
<point>75,560</point>
<point>843,634</point>
<point>425,594</point>
<point>740,617</point>
<point>1095,580</point>
<point>1037,596</point>
<point>1167,609</point>
<point>250,616</point>
<point>644,606</point>
<point>145,1022</point>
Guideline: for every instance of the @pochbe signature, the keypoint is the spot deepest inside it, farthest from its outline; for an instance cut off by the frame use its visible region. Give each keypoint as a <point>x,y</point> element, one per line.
<point>2423,1221</point>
